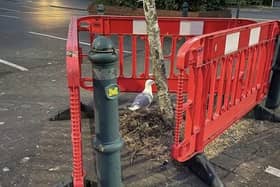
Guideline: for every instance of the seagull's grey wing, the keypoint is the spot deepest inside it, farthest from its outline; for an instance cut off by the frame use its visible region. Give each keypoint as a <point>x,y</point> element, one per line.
<point>143,100</point>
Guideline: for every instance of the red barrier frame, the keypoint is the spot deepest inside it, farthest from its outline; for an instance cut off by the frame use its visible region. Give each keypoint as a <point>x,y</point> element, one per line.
<point>228,75</point>
<point>175,28</point>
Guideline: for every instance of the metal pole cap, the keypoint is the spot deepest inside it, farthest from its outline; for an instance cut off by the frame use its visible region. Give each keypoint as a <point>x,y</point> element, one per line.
<point>103,51</point>
<point>100,9</point>
<point>185,4</point>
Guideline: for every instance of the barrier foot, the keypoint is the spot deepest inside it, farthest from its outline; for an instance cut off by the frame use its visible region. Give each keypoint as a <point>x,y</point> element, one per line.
<point>202,168</point>
<point>87,112</point>
<point>263,113</point>
<point>69,183</point>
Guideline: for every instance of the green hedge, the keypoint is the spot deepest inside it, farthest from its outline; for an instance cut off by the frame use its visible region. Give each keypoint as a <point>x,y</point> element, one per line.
<point>171,4</point>
<point>195,5</point>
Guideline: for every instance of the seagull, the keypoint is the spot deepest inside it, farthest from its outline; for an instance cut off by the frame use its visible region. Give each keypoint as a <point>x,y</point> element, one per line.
<point>145,98</point>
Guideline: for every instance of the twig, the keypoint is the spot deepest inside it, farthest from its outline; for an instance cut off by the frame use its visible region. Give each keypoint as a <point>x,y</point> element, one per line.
<point>132,157</point>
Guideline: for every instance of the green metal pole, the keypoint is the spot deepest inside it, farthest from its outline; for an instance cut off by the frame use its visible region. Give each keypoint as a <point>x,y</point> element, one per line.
<point>100,9</point>
<point>238,9</point>
<point>185,8</point>
<point>107,142</point>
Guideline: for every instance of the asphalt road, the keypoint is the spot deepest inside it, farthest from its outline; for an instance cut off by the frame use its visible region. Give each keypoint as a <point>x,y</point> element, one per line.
<point>32,79</point>
<point>21,20</point>
<point>32,76</point>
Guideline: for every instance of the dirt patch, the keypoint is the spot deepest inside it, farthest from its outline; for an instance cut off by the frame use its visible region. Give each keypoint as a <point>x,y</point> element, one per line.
<point>145,133</point>
<point>233,135</point>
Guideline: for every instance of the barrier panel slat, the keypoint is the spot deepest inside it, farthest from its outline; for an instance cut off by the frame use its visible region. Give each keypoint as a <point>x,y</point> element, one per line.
<point>229,78</point>
<point>121,61</point>
<point>213,70</point>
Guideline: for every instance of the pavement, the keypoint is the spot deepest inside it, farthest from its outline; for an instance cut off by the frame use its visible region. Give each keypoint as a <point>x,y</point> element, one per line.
<point>36,152</point>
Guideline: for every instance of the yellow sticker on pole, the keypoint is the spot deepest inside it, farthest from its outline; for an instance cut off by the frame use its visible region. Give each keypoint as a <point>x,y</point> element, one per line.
<point>112,91</point>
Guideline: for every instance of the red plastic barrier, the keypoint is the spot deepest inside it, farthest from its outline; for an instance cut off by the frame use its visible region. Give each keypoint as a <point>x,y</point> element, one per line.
<point>130,32</point>
<point>73,74</point>
<point>130,35</point>
<point>228,74</point>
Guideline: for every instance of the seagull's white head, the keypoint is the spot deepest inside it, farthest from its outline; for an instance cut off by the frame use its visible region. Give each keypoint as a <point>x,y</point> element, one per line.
<point>149,82</point>
<point>148,86</point>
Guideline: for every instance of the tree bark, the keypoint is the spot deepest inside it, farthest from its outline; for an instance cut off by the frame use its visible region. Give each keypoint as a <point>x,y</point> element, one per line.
<point>159,70</point>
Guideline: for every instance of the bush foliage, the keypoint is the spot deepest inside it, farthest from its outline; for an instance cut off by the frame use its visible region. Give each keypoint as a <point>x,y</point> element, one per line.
<point>194,5</point>
<point>172,4</point>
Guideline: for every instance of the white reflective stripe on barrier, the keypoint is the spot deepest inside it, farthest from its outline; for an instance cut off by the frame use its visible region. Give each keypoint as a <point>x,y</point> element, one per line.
<point>191,27</point>
<point>232,42</point>
<point>254,36</point>
<point>139,27</point>
<point>185,27</point>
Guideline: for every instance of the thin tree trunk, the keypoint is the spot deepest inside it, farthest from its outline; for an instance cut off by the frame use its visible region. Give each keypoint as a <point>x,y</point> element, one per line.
<point>159,70</point>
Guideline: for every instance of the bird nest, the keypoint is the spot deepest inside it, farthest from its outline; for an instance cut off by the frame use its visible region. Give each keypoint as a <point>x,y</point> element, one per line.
<point>145,133</point>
